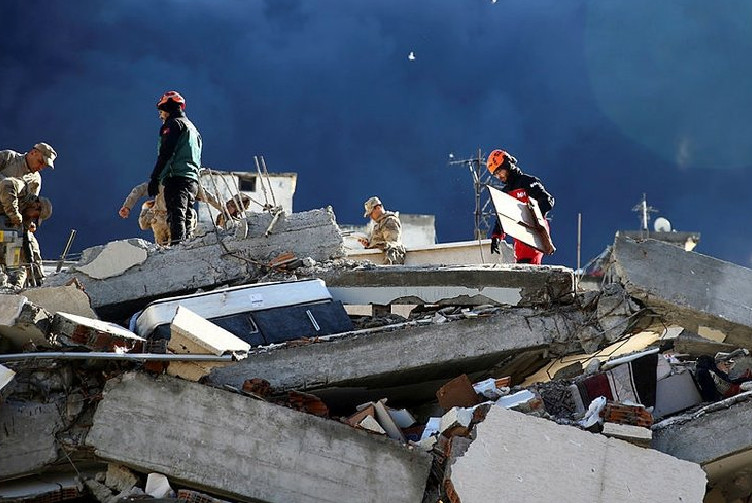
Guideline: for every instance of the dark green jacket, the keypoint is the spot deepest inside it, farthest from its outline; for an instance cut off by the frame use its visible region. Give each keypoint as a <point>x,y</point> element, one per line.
<point>179,149</point>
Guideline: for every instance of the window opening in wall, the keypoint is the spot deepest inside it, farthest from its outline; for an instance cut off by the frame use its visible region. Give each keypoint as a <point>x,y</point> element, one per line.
<point>248,184</point>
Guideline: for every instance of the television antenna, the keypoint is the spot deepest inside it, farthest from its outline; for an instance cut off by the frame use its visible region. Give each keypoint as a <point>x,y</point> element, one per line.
<point>481,177</point>
<point>644,212</point>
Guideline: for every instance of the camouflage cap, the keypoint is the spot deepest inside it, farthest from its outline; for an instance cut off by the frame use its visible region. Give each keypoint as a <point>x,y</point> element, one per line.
<point>48,153</point>
<point>46,209</point>
<point>371,204</point>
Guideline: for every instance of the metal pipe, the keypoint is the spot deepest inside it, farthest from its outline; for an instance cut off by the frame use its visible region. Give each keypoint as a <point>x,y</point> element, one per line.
<point>66,249</point>
<point>579,238</point>
<point>277,212</point>
<point>268,181</point>
<point>100,355</point>
<point>219,197</point>
<point>261,179</point>
<point>578,274</point>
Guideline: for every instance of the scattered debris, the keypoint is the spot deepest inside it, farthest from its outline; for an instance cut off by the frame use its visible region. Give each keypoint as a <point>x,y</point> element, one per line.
<point>268,370</point>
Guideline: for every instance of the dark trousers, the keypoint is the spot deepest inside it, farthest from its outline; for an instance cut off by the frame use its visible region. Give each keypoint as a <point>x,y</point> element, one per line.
<point>180,194</point>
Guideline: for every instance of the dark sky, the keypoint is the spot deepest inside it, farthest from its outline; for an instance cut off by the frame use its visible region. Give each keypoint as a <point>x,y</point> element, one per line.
<point>604,100</point>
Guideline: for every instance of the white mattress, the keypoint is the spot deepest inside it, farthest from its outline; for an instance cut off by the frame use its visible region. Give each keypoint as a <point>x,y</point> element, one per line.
<point>234,300</point>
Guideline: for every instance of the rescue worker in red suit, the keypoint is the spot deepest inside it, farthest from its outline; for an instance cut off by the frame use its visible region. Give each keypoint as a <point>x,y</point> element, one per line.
<point>522,187</point>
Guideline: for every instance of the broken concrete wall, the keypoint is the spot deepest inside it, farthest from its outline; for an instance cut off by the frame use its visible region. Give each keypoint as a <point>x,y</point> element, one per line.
<point>516,457</point>
<point>248,449</point>
<point>691,290</point>
<point>22,324</point>
<point>122,277</point>
<point>414,354</point>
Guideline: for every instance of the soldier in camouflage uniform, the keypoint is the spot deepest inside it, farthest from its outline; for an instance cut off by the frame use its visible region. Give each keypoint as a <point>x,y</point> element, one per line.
<point>22,209</point>
<point>25,169</point>
<point>154,212</point>
<point>386,232</point>
<point>35,209</point>
<point>28,165</point>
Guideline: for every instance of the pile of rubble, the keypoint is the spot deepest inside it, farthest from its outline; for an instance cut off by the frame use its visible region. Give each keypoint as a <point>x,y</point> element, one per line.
<point>236,369</point>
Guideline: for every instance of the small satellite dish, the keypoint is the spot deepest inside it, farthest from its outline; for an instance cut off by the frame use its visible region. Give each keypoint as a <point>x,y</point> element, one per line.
<point>662,225</point>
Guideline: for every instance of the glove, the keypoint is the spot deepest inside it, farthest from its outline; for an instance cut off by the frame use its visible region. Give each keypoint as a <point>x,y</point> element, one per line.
<point>153,188</point>
<point>495,246</point>
<point>15,220</point>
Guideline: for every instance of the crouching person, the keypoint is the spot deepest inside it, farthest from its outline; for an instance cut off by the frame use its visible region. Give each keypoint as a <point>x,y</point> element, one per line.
<point>23,212</point>
<point>34,212</point>
<point>385,232</point>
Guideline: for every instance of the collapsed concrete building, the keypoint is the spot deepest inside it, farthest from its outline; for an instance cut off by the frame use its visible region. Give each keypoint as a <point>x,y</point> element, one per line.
<point>443,402</point>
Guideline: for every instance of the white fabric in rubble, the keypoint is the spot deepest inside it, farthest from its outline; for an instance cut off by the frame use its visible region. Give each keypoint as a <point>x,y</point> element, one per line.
<point>489,390</point>
<point>593,414</point>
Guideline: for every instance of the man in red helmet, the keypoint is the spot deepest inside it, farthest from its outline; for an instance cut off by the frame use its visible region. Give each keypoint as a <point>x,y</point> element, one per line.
<point>522,187</point>
<point>178,164</point>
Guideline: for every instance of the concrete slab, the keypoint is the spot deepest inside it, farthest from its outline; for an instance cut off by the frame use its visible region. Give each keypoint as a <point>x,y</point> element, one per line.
<point>268,453</point>
<point>10,308</point>
<point>456,253</point>
<point>526,458</point>
<point>6,376</point>
<point>27,436</point>
<point>635,435</point>
<point>43,488</point>
<point>409,355</point>
<point>114,259</point>
<point>23,324</point>
<point>717,437</point>
<point>192,371</point>
<point>686,240</point>
<point>68,299</point>
<point>688,289</point>
<point>499,284</point>
<point>192,334</point>
<point>215,259</point>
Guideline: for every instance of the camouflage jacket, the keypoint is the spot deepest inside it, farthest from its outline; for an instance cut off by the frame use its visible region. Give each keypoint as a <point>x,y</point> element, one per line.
<point>386,230</point>
<point>14,195</point>
<point>13,165</point>
<point>141,190</point>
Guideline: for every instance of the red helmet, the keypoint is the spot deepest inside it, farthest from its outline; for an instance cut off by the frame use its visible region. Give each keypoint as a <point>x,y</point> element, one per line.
<point>174,96</point>
<point>496,159</point>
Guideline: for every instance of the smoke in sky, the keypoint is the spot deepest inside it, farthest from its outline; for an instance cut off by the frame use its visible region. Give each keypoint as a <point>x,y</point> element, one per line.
<point>602,100</point>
